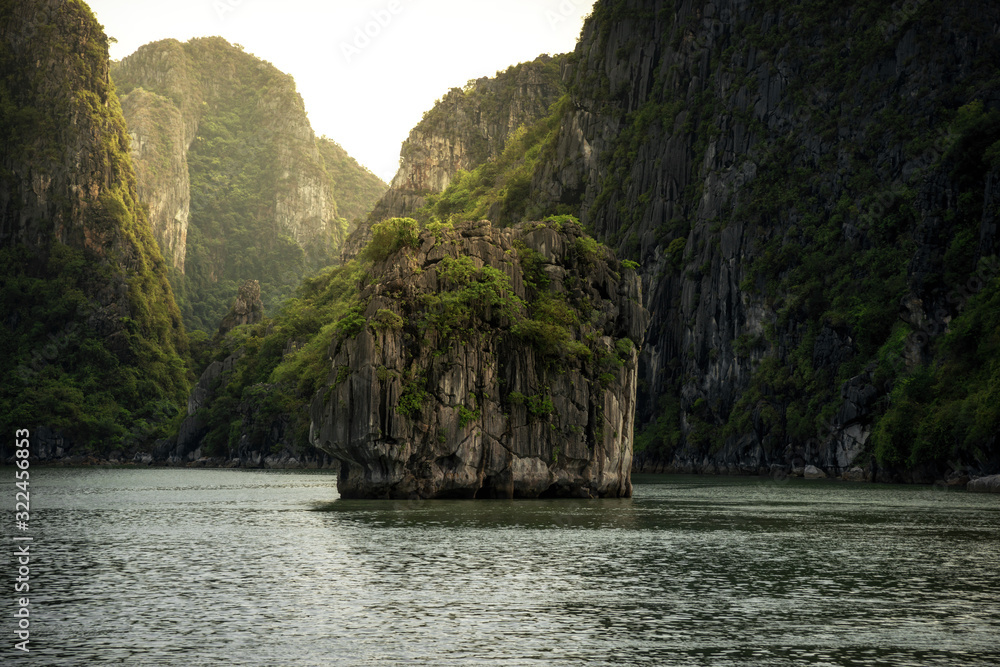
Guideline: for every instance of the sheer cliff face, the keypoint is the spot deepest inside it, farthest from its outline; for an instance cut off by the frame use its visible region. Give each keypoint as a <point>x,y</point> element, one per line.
<point>169,85</point>
<point>162,118</point>
<point>159,143</point>
<point>793,181</point>
<point>67,178</point>
<point>494,363</point>
<point>84,290</point>
<point>231,170</point>
<point>463,130</point>
<point>59,150</point>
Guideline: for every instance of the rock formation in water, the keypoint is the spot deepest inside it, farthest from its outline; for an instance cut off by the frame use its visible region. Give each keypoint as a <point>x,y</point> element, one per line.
<point>93,346</point>
<point>485,362</point>
<point>465,129</point>
<point>810,190</point>
<point>260,202</point>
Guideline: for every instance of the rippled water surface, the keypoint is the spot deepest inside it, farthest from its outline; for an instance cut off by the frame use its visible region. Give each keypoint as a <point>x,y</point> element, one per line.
<point>204,567</point>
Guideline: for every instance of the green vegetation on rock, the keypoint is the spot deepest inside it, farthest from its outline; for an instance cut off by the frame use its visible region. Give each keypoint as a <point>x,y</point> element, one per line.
<point>92,344</point>
<point>500,189</point>
<point>355,188</point>
<point>949,411</point>
<point>391,236</point>
<point>263,190</point>
<point>804,196</point>
<point>286,357</point>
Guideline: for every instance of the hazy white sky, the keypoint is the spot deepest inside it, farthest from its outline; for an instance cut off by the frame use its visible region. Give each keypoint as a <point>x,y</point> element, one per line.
<point>365,91</point>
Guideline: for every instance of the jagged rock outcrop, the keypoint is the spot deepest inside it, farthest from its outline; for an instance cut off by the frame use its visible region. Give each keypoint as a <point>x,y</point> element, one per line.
<point>93,341</point>
<point>491,363</point>
<point>247,309</point>
<point>465,128</point>
<point>232,172</point>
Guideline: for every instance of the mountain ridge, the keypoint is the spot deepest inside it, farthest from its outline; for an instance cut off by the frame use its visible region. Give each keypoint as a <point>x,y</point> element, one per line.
<point>224,150</point>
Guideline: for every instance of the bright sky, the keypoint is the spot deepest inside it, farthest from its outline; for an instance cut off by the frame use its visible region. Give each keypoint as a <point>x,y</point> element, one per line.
<point>365,91</point>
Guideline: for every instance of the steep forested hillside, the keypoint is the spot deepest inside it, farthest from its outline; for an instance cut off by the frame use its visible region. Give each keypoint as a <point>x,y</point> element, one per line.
<point>355,188</point>
<point>466,128</point>
<point>235,178</point>
<point>91,340</point>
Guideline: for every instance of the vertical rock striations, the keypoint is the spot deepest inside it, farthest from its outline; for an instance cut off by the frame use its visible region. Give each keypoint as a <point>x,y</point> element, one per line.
<point>159,142</point>
<point>162,105</point>
<point>486,362</point>
<point>808,190</point>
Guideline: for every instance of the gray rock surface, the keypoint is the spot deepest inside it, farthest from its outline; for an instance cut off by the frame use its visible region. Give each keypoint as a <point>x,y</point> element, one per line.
<point>855,474</point>
<point>990,484</point>
<point>247,308</point>
<point>812,472</point>
<point>412,411</point>
<point>689,176</point>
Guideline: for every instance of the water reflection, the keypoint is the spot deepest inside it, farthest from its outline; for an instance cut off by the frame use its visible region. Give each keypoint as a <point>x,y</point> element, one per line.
<point>488,514</point>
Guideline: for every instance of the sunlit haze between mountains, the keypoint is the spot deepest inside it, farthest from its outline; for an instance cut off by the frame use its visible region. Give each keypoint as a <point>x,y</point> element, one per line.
<point>368,70</point>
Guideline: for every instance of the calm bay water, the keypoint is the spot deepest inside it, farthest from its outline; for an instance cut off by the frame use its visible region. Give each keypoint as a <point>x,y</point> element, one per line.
<point>206,567</point>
